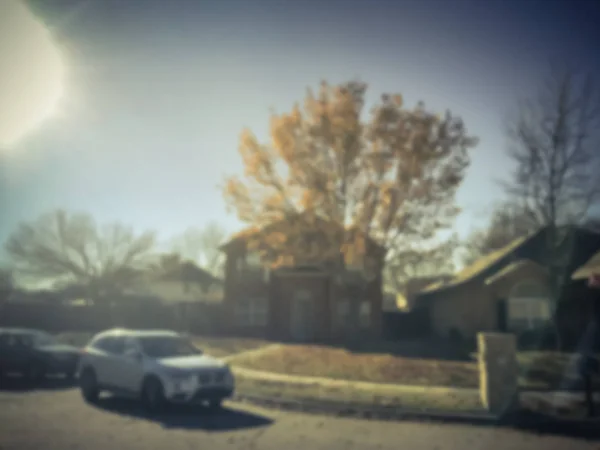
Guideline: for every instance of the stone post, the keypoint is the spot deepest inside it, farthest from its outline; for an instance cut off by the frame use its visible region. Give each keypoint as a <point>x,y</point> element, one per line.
<point>498,372</point>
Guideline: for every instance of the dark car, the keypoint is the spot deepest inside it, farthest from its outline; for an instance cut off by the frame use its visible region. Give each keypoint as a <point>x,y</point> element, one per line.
<point>35,354</point>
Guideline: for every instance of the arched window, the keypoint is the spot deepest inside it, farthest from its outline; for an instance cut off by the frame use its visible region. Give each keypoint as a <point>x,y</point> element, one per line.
<point>529,306</point>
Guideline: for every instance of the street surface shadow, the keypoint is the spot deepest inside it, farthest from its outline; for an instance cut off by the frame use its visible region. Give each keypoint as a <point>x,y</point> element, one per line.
<point>21,384</point>
<point>185,416</point>
<point>548,424</point>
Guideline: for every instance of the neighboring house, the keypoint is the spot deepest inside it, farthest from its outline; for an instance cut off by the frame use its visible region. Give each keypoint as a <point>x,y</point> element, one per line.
<point>509,289</point>
<point>302,300</point>
<point>184,283</point>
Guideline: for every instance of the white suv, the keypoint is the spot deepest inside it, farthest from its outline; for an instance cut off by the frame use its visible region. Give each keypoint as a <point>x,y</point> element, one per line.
<point>154,366</point>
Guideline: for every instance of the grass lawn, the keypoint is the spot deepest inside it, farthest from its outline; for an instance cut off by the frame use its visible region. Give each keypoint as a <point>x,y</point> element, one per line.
<point>549,370</point>
<point>409,397</point>
<point>538,370</point>
<point>330,362</point>
<point>214,346</point>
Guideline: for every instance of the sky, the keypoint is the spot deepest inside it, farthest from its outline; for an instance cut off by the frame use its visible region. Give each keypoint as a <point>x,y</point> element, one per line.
<point>140,103</point>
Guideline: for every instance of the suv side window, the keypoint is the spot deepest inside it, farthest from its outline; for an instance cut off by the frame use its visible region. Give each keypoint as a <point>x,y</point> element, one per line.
<point>118,345</point>
<point>110,344</point>
<point>130,347</point>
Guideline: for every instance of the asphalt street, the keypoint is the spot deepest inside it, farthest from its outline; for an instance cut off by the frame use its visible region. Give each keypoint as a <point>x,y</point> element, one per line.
<point>55,417</point>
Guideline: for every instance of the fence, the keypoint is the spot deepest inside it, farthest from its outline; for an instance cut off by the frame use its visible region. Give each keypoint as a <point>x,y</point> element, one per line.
<point>406,325</point>
<point>195,318</point>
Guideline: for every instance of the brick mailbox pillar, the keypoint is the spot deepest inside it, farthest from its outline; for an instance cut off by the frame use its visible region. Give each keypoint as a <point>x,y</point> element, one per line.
<point>498,372</point>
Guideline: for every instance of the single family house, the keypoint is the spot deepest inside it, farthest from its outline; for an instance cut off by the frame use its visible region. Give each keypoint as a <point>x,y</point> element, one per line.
<point>510,290</point>
<point>302,300</point>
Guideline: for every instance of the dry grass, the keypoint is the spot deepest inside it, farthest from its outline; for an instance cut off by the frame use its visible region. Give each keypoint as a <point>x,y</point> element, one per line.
<point>226,346</point>
<point>414,398</point>
<point>538,370</point>
<point>550,370</point>
<point>328,362</point>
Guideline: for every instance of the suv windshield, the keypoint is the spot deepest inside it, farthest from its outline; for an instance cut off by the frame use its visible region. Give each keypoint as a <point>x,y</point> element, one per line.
<point>167,346</point>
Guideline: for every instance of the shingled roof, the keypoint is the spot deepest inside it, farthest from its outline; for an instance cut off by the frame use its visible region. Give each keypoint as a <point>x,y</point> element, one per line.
<point>589,269</point>
<point>480,266</point>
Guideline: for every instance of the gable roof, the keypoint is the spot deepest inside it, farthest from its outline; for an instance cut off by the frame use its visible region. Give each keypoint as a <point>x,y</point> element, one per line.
<point>188,272</point>
<point>480,266</point>
<point>512,268</point>
<point>590,268</point>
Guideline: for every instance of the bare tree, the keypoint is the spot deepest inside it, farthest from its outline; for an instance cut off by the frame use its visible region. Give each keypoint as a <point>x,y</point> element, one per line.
<point>553,143</point>
<point>509,221</point>
<point>71,249</point>
<point>201,245</point>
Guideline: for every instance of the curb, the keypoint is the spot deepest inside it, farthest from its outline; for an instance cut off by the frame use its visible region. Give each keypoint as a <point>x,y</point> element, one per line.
<point>389,413</point>
<point>311,380</point>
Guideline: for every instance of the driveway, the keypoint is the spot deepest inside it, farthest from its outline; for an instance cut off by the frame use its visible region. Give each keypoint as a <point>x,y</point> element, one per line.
<point>55,417</point>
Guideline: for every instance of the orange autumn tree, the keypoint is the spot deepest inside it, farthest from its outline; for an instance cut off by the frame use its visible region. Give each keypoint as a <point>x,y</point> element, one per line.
<point>327,178</point>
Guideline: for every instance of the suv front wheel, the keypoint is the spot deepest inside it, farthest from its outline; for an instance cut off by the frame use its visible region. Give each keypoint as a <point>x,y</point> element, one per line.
<point>153,395</point>
<point>89,386</point>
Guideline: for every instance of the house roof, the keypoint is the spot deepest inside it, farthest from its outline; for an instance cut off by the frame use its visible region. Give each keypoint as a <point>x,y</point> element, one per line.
<point>479,267</point>
<point>188,272</point>
<point>510,269</point>
<point>590,268</point>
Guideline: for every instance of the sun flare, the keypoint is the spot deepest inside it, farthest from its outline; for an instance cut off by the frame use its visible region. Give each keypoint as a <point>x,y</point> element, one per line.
<point>32,73</point>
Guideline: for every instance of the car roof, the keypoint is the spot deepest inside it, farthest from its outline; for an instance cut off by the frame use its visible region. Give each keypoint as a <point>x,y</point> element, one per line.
<point>18,330</point>
<point>136,333</point>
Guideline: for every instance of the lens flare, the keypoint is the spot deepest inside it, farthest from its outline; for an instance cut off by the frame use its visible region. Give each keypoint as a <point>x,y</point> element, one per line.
<point>32,73</point>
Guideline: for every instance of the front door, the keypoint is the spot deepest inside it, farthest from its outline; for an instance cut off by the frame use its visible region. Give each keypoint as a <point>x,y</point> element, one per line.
<point>131,368</point>
<point>302,316</point>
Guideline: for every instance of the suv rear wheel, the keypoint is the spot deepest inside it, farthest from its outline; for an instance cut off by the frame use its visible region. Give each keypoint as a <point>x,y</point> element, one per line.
<point>215,404</point>
<point>89,385</point>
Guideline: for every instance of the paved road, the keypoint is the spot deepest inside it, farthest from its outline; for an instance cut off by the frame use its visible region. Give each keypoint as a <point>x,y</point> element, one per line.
<point>55,418</point>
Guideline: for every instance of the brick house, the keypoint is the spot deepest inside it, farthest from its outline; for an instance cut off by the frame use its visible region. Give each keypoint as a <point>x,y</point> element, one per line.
<point>302,300</point>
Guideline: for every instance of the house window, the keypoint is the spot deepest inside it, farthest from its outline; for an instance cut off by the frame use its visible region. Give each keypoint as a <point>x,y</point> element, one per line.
<point>253,260</point>
<point>364,314</point>
<point>252,312</point>
<point>342,313</point>
<point>528,307</point>
<point>252,264</point>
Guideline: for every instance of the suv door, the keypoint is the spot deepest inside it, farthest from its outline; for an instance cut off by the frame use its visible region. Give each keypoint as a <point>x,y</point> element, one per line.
<point>131,368</point>
<point>106,352</point>
<point>114,361</point>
